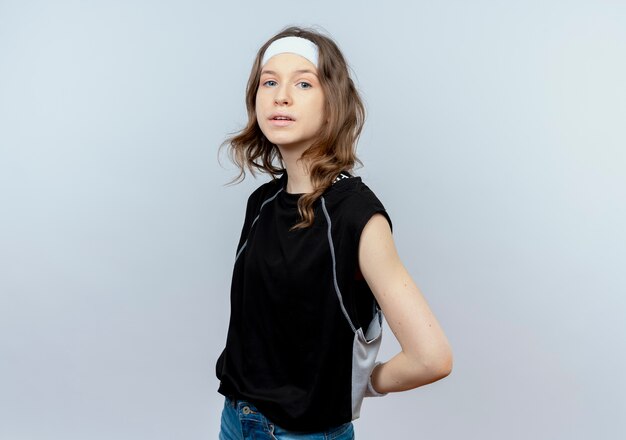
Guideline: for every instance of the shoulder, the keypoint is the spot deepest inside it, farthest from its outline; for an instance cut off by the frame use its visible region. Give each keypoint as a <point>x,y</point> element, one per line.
<point>353,202</point>
<point>353,188</point>
<point>263,192</point>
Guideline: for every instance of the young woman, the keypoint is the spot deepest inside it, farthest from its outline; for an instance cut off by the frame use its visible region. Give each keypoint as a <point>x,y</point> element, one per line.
<point>316,266</point>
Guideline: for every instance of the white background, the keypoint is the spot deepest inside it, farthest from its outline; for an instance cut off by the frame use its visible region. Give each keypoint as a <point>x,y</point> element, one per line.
<point>495,138</point>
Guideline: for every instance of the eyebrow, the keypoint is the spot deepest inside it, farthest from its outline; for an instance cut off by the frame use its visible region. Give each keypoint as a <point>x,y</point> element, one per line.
<point>271,72</point>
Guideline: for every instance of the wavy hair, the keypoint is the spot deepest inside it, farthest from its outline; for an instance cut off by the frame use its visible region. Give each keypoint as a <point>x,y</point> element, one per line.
<point>334,148</point>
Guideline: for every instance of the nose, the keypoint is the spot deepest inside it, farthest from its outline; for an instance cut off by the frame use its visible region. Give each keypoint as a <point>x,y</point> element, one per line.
<point>282,96</point>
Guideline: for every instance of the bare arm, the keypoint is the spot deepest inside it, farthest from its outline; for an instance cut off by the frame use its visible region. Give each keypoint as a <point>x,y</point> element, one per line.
<point>426,355</point>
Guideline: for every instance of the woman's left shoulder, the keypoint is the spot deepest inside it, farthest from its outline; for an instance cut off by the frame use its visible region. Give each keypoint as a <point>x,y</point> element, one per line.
<point>355,202</point>
<point>352,186</point>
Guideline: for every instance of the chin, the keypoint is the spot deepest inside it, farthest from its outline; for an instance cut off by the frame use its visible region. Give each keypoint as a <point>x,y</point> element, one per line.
<point>281,140</point>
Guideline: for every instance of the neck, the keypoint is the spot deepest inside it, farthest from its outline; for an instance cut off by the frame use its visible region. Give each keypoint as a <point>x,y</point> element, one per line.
<point>298,180</point>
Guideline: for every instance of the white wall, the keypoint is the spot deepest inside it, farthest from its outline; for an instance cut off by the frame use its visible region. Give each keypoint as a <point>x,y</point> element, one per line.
<point>495,138</point>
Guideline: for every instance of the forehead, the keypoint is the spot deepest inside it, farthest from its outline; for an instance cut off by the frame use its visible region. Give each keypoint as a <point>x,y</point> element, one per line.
<point>288,63</point>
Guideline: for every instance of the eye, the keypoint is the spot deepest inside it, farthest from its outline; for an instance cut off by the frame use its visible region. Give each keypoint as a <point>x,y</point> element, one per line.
<point>269,81</point>
<point>305,84</point>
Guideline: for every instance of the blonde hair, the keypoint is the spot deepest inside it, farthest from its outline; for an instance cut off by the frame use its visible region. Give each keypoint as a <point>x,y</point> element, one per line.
<point>333,151</point>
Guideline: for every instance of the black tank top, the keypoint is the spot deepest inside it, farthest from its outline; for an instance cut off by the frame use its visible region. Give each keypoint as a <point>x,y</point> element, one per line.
<point>304,326</point>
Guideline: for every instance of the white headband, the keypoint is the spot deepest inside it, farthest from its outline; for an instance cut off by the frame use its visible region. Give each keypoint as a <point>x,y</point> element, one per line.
<point>298,45</point>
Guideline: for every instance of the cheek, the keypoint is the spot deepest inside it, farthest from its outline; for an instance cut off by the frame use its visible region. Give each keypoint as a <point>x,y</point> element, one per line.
<point>258,108</point>
<point>321,109</point>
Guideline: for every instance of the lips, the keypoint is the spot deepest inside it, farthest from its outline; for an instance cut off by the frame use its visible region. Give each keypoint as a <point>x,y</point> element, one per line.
<point>281,117</point>
<point>281,122</point>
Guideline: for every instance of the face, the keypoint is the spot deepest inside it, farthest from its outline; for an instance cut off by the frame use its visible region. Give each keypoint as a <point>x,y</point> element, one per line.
<point>290,102</point>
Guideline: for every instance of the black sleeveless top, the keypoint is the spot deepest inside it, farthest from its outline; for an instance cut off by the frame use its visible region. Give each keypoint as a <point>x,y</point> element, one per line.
<point>304,327</point>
